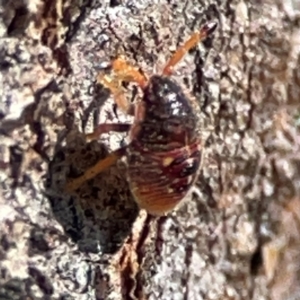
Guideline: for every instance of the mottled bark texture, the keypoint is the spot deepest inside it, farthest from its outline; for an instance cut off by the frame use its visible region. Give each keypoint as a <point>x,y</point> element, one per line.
<point>238,240</point>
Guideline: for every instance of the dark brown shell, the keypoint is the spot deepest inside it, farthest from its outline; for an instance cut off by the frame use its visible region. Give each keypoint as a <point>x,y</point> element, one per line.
<point>165,153</point>
<point>168,117</point>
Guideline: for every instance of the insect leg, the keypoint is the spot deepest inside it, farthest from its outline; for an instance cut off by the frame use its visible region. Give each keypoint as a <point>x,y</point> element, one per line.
<point>96,169</point>
<point>102,164</point>
<point>126,72</point>
<point>106,128</point>
<point>122,71</point>
<point>196,38</point>
<point>113,86</point>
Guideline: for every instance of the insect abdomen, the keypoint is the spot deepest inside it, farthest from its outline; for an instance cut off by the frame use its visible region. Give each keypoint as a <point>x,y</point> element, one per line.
<point>159,181</point>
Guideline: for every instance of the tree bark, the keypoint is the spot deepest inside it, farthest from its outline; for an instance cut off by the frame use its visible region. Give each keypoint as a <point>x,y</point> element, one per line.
<point>238,238</point>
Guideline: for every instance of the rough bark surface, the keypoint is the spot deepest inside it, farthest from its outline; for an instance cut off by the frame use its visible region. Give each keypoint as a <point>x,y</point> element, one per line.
<point>239,241</point>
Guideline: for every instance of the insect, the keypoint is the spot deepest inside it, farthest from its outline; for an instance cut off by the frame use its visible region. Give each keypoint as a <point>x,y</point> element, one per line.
<point>164,153</point>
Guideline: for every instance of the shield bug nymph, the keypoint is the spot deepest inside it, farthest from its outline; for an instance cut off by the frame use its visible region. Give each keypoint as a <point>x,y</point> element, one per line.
<point>164,153</point>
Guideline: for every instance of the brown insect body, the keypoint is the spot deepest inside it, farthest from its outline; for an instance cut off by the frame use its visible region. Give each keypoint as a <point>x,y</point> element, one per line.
<point>165,152</point>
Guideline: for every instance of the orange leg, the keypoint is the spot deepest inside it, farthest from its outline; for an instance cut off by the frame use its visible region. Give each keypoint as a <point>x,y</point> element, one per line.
<point>115,88</point>
<point>196,38</point>
<point>103,164</point>
<point>93,171</point>
<point>126,72</point>
<point>122,71</point>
